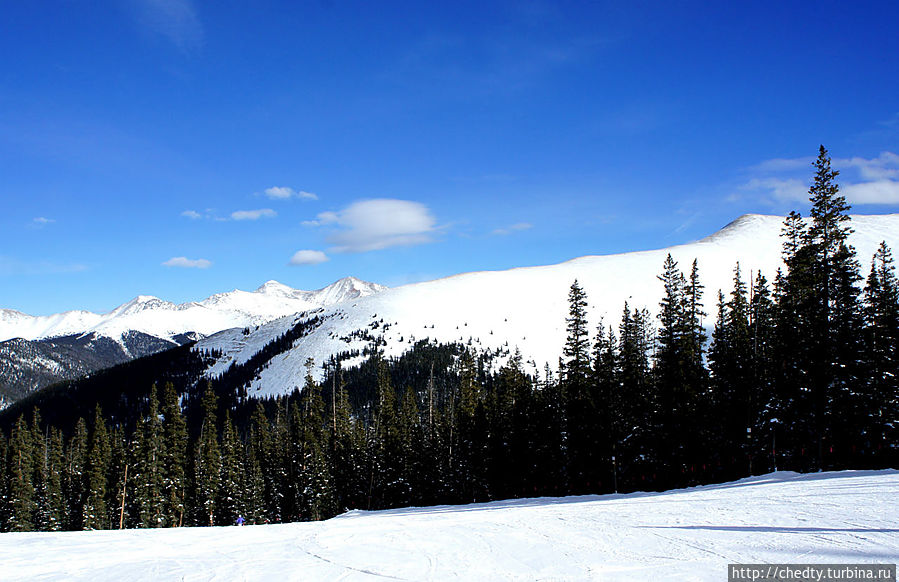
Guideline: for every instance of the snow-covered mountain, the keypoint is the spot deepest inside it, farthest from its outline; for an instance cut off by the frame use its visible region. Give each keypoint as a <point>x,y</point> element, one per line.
<point>162,319</point>
<point>525,308</point>
<point>39,351</point>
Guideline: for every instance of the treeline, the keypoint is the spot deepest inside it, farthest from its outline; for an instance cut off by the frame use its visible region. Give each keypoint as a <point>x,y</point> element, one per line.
<point>801,373</point>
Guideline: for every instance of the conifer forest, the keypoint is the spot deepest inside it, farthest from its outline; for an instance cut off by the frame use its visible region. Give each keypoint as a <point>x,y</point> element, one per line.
<point>800,372</point>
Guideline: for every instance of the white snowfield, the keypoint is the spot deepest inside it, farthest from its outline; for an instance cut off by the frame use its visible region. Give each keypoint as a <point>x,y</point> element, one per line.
<point>163,319</point>
<point>525,308</point>
<point>689,534</point>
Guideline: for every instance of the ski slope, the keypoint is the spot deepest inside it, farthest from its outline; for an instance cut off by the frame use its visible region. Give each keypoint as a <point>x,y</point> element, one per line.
<point>689,534</point>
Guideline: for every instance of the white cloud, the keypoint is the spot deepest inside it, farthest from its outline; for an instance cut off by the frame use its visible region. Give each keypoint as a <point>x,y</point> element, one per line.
<point>322,219</point>
<point>41,221</point>
<point>186,263</point>
<point>784,190</point>
<point>878,192</point>
<point>285,193</point>
<point>192,214</point>
<point>862,181</point>
<point>308,257</point>
<point>883,167</point>
<point>253,214</point>
<point>370,225</point>
<point>517,227</point>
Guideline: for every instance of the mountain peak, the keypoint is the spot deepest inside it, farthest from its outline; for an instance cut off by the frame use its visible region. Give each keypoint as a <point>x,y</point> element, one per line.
<point>275,287</point>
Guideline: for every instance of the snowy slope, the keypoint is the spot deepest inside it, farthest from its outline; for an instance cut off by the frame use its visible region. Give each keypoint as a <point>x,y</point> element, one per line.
<point>525,308</point>
<point>689,534</point>
<point>163,319</point>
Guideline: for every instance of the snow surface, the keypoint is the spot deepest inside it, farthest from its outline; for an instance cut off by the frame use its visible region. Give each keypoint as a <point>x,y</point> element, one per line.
<point>525,308</point>
<point>163,319</point>
<point>689,534</point>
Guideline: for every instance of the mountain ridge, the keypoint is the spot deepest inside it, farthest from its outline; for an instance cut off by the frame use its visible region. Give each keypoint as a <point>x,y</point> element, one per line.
<point>525,308</point>
<point>239,308</point>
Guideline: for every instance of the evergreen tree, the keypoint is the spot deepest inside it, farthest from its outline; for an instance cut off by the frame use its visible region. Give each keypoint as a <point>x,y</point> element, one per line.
<point>731,364</point>
<point>207,462</point>
<point>881,349</point>
<point>611,404</point>
<point>318,488</point>
<point>261,454</point>
<point>41,457</point>
<point>149,453</point>
<point>95,512</point>
<point>834,315</point>
<point>174,462</point>
<point>672,378</point>
<point>762,333</point>
<point>638,441</point>
<point>21,472</point>
<point>230,503</point>
<point>74,475</point>
<point>4,475</point>
<point>56,508</point>
<point>580,411</point>
<point>347,444</point>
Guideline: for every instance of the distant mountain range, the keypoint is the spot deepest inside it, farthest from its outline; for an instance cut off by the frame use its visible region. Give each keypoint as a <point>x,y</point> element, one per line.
<point>501,311</point>
<point>36,351</point>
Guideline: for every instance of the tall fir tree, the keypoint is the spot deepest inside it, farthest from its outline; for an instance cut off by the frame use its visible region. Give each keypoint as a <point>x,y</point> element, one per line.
<point>95,512</point>
<point>230,503</point>
<point>174,461</point>
<point>74,475</point>
<point>881,357</point>
<point>318,498</point>
<point>4,477</point>
<point>834,314</point>
<point>149,453</point>
<point>207,462</point>
<point>580,408</point>
<point>21,471</point>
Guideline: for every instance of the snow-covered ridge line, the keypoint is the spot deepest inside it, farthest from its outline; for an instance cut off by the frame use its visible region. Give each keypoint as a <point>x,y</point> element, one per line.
<point>164,319</point>
<point>525,308</point>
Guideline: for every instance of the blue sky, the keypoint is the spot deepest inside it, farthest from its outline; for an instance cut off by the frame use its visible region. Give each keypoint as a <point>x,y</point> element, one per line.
<point>179,148</point>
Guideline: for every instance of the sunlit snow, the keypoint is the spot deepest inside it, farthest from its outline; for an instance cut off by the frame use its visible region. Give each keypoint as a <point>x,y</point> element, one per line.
<point>689,534</point>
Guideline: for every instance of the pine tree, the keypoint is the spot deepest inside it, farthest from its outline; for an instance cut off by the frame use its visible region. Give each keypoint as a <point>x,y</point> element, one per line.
<point>4,478</point>
<point>881,349</point>
<point>149,453</point>
<point>834,318</point>
<point>41,456</point>
<point>74,475</point>
<point>21,471</point>
<point>207,462</point>
<point>95,512</point>
<point>580,408</point>
<point>174,462</point>
<point>347,444</point>
<point>611,404</point>
<point>731,364</point>
<point>638,440</point>
<point>317,495</point>
<point>676,394</point>
<point>230,502</point>
<point>263,500</point>
<point>762,334</point>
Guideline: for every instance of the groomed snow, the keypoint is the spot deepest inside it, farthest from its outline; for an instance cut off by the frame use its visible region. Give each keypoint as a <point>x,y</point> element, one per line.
<point>689,534</point>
